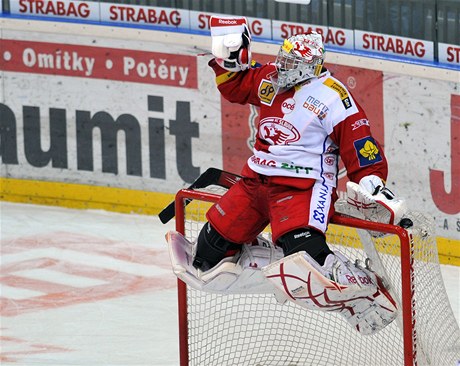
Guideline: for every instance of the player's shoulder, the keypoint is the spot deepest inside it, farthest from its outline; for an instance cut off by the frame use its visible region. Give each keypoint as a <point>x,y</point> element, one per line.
<point>331,82</point>
<point>262,71</point>
<point>334,87</point>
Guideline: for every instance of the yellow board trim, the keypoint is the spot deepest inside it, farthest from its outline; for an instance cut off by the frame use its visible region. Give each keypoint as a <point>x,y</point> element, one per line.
<point>83,196</point>
<point>123,200</point>
<point>449,251</point>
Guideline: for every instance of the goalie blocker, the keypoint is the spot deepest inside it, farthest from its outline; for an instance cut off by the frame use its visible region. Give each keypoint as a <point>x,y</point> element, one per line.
<point>338,286</point>
<point>375,202</point>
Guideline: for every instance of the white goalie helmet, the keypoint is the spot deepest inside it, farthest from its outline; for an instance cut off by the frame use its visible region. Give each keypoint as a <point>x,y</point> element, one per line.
<point>301,57</point>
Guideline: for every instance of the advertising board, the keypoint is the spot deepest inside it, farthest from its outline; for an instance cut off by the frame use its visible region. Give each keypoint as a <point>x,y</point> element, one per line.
<point>268,29</point>
<point>146,115</point>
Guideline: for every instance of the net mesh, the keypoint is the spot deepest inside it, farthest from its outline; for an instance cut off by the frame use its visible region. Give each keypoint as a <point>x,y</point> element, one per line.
<point>257,330</point>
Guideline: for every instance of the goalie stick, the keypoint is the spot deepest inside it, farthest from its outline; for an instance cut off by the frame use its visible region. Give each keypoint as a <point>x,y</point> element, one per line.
<point>212,176</point>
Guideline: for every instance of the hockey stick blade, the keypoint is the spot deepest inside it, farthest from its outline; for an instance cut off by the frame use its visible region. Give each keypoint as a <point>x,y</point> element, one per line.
<point>212,176</point>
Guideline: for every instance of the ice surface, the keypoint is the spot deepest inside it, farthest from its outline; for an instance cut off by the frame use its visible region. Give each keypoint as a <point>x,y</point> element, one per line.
<point>85,287</point>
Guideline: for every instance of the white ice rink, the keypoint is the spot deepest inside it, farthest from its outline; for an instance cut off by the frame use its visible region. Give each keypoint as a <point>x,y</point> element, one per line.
<point>93,288</point>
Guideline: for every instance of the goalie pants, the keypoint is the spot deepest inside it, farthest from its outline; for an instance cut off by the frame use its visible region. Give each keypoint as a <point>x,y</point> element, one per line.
<point>254,202</point>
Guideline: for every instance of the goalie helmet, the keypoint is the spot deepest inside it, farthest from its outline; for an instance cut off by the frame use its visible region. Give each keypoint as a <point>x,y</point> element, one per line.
<point>301,57</point>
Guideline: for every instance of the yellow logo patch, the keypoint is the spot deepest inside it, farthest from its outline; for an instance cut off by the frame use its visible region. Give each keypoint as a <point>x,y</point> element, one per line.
<point>369,150</point>
<point>266,92</point>
<point>340,90</point>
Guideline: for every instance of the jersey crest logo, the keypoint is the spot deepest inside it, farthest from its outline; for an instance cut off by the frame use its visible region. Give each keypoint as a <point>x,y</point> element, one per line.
<point>340,90</point>
<point>277,131</point>
<point>266,92</point>
<point>367,151</point>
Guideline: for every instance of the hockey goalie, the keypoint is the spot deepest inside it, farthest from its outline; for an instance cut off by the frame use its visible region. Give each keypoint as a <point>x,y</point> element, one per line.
<point>307,121</point>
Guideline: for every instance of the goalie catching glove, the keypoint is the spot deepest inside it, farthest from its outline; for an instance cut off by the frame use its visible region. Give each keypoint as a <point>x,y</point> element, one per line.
<point>231,43</point>
<point>376,202</point>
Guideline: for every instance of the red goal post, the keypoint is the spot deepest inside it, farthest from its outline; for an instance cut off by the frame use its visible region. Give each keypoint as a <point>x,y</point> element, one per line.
<point>256,330</point>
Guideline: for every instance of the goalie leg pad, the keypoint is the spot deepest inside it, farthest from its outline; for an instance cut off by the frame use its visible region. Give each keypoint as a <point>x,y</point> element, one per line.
<point>236,274</point>
<point>373,313</point>
<point>338,286</point>
<point>181,252</point>
<point>311,286</point>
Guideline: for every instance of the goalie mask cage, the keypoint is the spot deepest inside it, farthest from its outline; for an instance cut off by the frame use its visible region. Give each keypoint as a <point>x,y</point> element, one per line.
<point>256,330</point>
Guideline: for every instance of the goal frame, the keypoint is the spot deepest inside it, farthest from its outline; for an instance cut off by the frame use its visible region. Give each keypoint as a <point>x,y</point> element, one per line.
<point>407,272</point>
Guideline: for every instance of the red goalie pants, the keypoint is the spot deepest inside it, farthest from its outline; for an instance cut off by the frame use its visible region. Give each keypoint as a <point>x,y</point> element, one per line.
<point>253,203</point>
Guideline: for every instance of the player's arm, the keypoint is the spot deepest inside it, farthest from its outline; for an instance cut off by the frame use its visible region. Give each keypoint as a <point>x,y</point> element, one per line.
<point>367,170</point>
<point>360,152</point>
<point>240,87</point>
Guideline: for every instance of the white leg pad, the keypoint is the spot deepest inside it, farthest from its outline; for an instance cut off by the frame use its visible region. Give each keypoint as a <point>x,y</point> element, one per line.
<point>237,274</point>
<point>358,297</point>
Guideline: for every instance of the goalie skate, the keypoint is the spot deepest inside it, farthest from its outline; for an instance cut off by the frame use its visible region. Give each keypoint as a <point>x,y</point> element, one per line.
<point>339,286</point>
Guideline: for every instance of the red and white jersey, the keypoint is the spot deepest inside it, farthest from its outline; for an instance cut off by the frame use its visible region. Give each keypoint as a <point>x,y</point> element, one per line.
<point>302,131</point>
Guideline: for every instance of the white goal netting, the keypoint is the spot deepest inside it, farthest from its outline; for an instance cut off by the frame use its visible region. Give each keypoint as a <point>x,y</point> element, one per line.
<point>256,330</point>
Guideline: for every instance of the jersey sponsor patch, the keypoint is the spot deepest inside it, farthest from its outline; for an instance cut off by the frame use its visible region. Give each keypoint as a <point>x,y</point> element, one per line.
<point>288,105</point>
<point>266,92</point>
<point>367,151</point>
<point>316,106</point>
<point>345,98</point>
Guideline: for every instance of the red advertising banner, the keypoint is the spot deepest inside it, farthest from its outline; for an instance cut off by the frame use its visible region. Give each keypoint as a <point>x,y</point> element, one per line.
<point>99,63</point>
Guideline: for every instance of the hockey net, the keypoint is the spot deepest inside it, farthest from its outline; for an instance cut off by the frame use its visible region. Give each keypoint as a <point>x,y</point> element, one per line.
<point>256,330</point>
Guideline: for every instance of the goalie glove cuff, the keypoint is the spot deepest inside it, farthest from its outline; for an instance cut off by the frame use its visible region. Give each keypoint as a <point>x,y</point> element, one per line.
<point>372,184</point>
<point>375,186</point>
